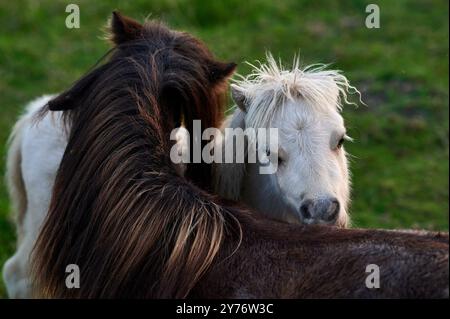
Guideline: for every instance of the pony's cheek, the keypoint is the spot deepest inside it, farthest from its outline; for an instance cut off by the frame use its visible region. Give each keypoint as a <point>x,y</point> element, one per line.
<point>290,186</point>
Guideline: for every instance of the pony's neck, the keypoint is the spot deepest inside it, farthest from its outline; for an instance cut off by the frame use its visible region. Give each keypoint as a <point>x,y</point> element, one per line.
<point>228,177</point>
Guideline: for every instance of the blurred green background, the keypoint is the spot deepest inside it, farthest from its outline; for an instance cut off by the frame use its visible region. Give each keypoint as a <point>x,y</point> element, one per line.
<point>400,156</point>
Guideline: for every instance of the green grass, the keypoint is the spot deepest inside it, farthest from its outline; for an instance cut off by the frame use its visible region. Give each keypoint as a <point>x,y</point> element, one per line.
<point>401,154</point>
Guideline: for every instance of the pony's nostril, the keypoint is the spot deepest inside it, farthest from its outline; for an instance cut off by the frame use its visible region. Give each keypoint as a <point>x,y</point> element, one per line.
<point>320,211</point>
<point>333,210</point>
<point>304,209</point>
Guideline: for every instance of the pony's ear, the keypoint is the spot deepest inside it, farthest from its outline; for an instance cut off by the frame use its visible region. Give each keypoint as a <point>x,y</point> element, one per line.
<point>123,29</point>
<point>238,96</point>
<point>220,71</point>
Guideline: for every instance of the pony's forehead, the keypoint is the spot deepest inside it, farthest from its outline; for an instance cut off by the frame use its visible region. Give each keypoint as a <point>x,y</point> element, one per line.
<point>294,120</point>
<point>299,111</point>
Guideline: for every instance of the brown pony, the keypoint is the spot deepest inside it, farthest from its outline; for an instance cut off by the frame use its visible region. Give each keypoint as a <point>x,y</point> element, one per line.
<point>137,229</point>
<point>119,209</point>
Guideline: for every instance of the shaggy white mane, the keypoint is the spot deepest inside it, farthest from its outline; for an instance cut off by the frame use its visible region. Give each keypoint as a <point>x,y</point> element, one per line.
<point>269,85</point>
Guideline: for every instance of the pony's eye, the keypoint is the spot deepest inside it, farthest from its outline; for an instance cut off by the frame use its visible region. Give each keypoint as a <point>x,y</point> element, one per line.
<point>342,140</point>
<point>340,143</point>
<point>280,160</point>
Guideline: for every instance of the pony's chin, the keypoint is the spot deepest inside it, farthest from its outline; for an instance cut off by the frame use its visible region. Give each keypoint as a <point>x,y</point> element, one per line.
<point>291,219</point>
<point>343,221</point>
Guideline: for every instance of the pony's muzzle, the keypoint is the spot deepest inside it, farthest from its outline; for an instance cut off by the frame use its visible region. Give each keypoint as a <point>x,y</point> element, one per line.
<point>320,211</point>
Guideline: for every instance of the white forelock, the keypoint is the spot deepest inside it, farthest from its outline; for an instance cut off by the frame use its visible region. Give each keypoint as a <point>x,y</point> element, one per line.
<point>269,85</point>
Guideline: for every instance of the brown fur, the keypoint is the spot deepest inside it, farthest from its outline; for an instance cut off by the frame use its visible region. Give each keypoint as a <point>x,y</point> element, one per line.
<point>119,210</point>
<point>276,260</point>
<point>138,230</point>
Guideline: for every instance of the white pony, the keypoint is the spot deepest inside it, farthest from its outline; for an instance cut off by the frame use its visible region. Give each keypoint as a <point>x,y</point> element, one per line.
<point>311,184</point>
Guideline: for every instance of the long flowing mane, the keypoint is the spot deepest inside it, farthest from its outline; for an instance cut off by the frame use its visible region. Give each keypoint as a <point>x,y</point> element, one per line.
<point>270,84</point>
<point>119,210</point>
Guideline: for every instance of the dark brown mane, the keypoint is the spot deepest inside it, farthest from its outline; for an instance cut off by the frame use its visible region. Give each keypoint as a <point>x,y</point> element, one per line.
<point>119,209</point>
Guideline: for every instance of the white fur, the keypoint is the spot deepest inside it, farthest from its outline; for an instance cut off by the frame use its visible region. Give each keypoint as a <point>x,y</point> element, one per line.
<point>36,149</point>
<point>304,104</point>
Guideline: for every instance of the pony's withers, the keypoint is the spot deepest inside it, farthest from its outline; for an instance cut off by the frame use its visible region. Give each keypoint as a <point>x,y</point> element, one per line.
<point>119,210</point>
